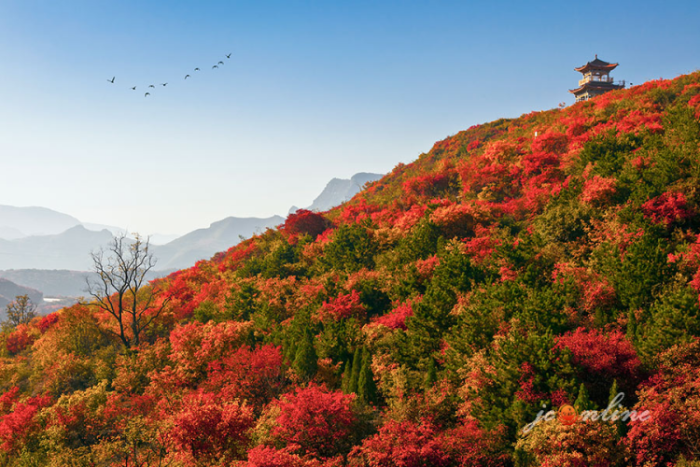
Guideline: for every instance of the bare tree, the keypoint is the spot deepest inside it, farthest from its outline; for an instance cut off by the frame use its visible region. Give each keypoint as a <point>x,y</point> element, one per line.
<point>121,289</point>
<point>20,311</point>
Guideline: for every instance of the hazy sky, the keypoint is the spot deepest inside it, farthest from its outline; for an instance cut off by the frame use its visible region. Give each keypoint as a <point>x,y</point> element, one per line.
<point>313,90</point>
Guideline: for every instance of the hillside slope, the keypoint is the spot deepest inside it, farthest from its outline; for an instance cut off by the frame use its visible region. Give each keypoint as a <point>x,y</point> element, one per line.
<point>519,265</point>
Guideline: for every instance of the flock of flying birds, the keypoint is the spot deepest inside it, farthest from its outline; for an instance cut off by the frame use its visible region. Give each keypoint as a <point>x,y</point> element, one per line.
<point>133,88</point>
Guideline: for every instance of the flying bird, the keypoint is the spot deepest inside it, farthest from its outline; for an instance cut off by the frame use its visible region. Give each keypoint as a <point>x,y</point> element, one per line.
<point>214,67</point>
<point>147,94</point>
<point>187,76</point>
<point>196,69</point>
<point>134,88</point>
<point>112,80</point>
<point>220,62</point>
<point>228,56</point>
<point>164,84</point>
<point>151,86</point>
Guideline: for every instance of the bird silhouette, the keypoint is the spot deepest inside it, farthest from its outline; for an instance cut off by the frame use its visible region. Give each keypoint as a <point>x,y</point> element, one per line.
<point>164,84</point>
<point>134,88</point>
<point>214,67</point>
<point>228,56</point>
<point>196,69</point>
<point>147,94</point>
<point>187,76</point>
<point>151,86</point>
<point>112,80</point>
<point>220,62</point>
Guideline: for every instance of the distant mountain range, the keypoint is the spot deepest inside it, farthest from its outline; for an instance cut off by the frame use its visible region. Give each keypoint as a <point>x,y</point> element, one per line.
<point>18,222</point>
<point>67,250</point>
<point>204,243</point>
<point>50,251</point>
<point>339,190</point>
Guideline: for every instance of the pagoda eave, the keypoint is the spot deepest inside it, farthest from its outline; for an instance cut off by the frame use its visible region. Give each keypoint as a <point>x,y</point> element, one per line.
<point>589,66</point>
<point>596,86</point>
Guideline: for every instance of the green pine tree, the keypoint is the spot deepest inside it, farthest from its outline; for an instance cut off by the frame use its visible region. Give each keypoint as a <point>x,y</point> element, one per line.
<point>345,379</point>
<point>613,391</point>
<point>366,387</point>
<point>431,376</point>
<point>583,402</point>
<point>355,374</point>
<point>306,360</point>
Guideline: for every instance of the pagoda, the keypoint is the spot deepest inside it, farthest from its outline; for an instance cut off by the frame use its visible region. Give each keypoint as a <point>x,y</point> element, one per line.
<point>596,80</point>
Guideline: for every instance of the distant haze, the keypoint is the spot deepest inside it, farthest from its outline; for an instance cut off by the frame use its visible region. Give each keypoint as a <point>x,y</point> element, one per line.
<point>57,264</point>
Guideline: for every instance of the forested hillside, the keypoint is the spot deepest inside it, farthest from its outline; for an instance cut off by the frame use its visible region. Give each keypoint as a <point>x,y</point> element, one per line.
<point>546,260</point>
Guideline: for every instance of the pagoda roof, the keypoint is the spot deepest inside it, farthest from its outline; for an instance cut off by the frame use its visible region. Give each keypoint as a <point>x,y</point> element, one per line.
<point>600,85</point>
<point>596,64</point>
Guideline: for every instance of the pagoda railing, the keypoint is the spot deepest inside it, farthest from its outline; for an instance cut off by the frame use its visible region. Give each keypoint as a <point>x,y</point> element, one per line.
<point>588,79</point>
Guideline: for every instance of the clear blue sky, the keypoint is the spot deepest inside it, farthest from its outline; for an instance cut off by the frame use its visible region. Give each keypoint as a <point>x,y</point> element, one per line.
<point>313,90</point>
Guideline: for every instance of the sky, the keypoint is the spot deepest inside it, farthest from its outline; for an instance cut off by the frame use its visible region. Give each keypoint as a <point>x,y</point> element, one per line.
<point>313,90</point>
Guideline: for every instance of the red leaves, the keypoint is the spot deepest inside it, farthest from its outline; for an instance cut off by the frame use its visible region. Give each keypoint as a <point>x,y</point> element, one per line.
<point>411,444</point>
<point>595,289</point>
<point>47,322</point>
<point>255,375</point>
<point>694,103</point>
<point>265,456</point>
<point>343,306</point>
<point>19,339</point>
<point>668,208</point>
<point>636,120</point>
<point>402,444</point>
<point>672,398</point>
<point>396,318</point>
<point>208,429</point>
<point>195,345</point>
<point>305,222</point>
<point>8,399</point>
<point>598,190</point>
<point>609,355</point>
<point>317,420</point>
<point>481,246</point>
<point>527,391</point>
<point>18,425</point>
<point>429,185</point>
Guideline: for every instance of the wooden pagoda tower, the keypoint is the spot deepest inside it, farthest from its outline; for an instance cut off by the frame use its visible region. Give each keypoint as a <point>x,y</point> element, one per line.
<point>596,80</point>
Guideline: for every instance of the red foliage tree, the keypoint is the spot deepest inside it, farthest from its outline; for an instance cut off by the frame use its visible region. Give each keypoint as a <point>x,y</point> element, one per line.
<point>598,190</point>
<point>266,456</point>
<point>401,444</point>
<point>207,429</point>
<point>603,358</point>
<point>305,222</point>
<point>396,318</point>
<point>320,422</point>
<point>256,376</point>
<point>430,185</point>
<point>469,445</point>
<point>343,306</point>
<point>18,426</point>
<point>195,345</point>
<point>672,398</point>
<point>47,322</point>
<point>668,208</point>
<point>19,339</point>
<point>8,399</point>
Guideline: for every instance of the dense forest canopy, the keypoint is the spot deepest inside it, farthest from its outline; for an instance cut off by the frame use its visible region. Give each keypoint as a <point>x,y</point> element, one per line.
<point>530,263</point>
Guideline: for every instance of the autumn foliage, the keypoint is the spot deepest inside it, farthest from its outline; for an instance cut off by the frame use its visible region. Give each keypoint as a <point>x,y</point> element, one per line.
<point>517,266</point>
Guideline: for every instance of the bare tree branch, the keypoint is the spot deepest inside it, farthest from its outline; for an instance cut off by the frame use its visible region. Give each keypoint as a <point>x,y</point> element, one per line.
<point>120,287</point>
